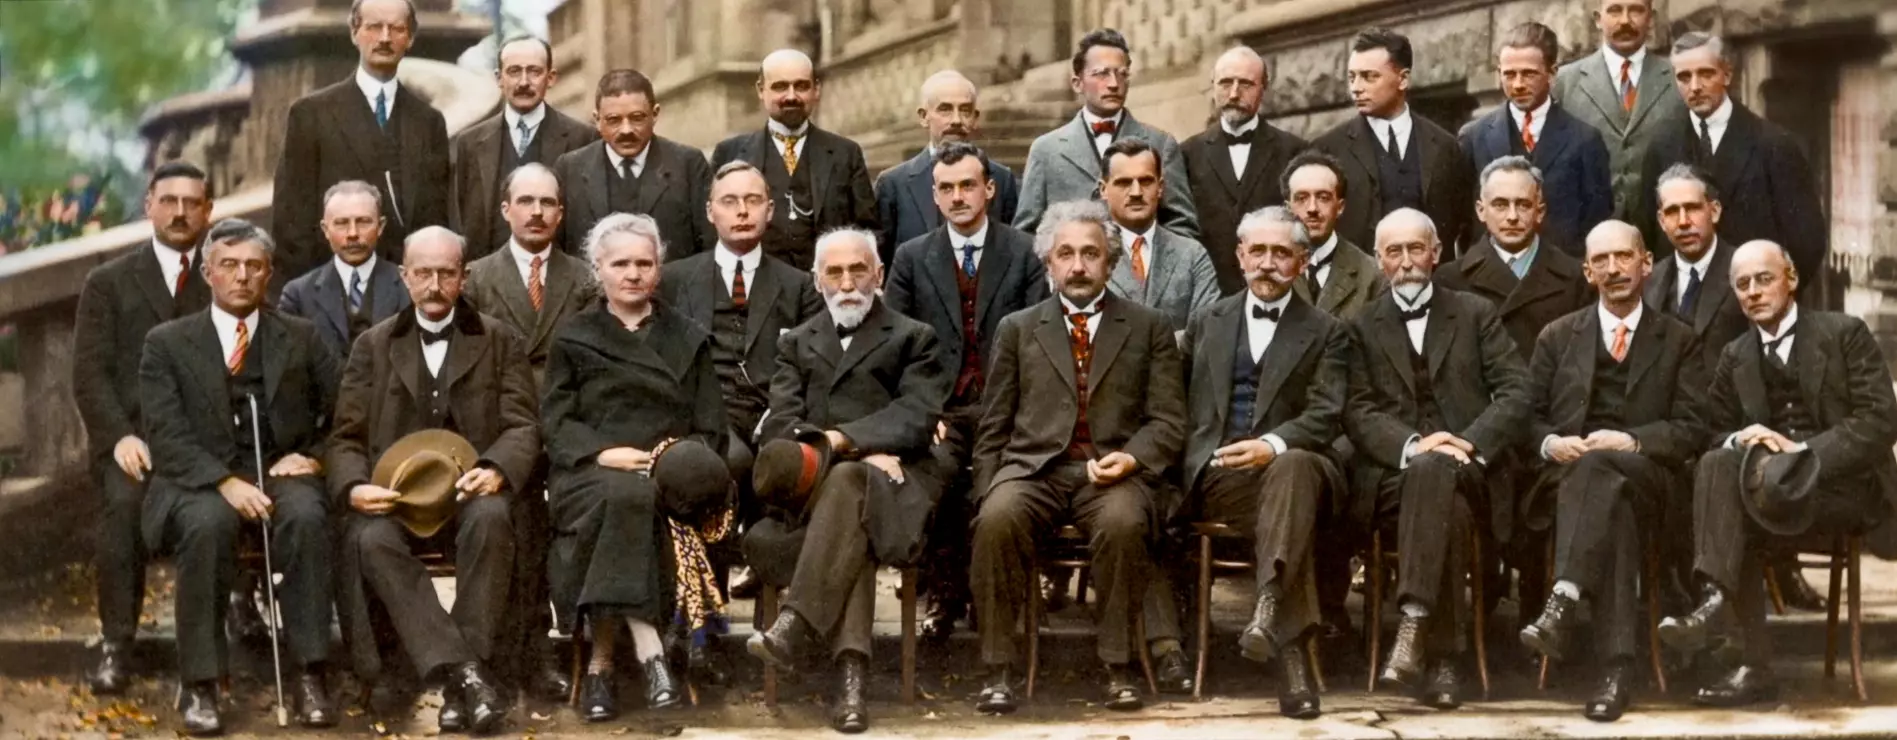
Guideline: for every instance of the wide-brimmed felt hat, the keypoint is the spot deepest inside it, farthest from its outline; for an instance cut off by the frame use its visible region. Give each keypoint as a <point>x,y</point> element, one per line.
<point>787,471</point>
<point>1780,489</point>
<point>423,467</point>
<point>692,479</point>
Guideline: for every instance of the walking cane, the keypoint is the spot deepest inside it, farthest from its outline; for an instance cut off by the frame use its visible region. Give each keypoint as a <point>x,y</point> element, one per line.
<point>269,572</point>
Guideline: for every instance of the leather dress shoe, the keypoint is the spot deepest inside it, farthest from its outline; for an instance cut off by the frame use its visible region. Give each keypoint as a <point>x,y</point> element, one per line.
<point>851,714</point>
<point>1297,693</point>
<point>479,698</point>
<point>1444,688</point>
<point>997,692</point>
<point>1747,684</point>
<point>113,671</point>
<point>703,664</point>
<point>1797,591</point>
<point>1122,692</point>
<point>313,708</point>
<point>939,625</point>
<point>598,702</point>
<point>551,681</point>
<point>1405,666</point>
<point>1548,634</point>
<point>1611,697</point>
<point>777,646</point>
<point>748,586</point>
<point>662,688</point>
<point>1173,673</point>
<point>454,710</point>
<point>198,704</point>
<point>1688,634</point>
<point>1255,642</point>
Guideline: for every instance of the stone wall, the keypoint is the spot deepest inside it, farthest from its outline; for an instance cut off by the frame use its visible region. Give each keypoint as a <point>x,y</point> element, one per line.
<point>875,88</point>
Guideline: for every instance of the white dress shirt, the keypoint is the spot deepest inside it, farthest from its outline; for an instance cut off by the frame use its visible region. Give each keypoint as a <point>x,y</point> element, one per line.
<point>728,261</point>
<point>226,325</point>
<point>437,353</point>
<point>1322,256</point>
<point>1093,307</point>
<point>1381,128</point>
<point>777,129</point>
<point>533,118</point>
<point>1259,333</point>
<point>1614,60</point>
<point>1145,260</point>
<point>348,271</point>
<point>1241,153</point>
<point>1415,327</point>
<point>1715,123</point>
<point>1102,141</point>
<point>370,86</point>
<point>524,260</point>
<point>957,241</point>
<point>1784,352</point>
<point>1540,118</point>
<point>1683,274</point>
<point>171,264</point>
<point>638,160</point>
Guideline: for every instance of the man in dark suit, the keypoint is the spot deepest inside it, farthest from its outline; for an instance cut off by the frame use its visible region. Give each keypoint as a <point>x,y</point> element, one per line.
<point>442,366</point>
<point>1438,398</point>
<point>223,389</point>
<point>1393,158</point>
<point>1085,414</point>
<point>1765,182</point>
<point>1267,373</point>
<point>357,289</point>
<point>1531,281</point>
<point>121,301</point>
<point>1233,167</point>
<point>1165,270</point>
<point>1064,164</point>
<point>821,176</point>
<point>870,382</point>
<point>1626,95</point>
<point>961,278</point>
<point>630,169</point>
<point>526,130</point>
<point>1619,401</point>
<point>369,128</point>
<point>1809,388</point>
<point>1573,160</point>
<point>905,193</point>
<point>1340,278</point>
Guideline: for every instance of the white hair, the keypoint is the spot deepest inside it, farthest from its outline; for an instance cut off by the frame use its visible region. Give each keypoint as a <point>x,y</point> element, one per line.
<point>634,224</point>
<point>833,237</point>
<point>429,233</point>
<point>1077,211</point>
<point>1410,214</point>
<point>1300,234</point>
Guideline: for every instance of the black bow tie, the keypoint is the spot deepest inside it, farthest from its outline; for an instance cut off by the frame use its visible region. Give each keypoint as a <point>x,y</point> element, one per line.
<point>431,337</point>
<point>1268,314</point>
<point>844,332</point>
<point>1232,139</point>
<point>1419,312</point>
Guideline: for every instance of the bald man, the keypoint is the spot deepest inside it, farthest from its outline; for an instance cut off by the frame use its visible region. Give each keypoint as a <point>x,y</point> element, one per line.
<point>818,180</point>
<point>1233,166</point>
<point>905,193</point>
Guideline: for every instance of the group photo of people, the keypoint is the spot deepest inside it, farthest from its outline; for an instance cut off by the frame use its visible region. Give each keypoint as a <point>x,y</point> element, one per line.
<point>1574,356</point>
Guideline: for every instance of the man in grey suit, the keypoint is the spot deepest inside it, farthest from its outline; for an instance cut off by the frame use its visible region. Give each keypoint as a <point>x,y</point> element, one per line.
<point>1064,164</point>
<point>356,290</point>
<point>1339,278</point>
<point>633,170</point>
<point>905,193</point>
<point>526,130</point>
<point>1164,270</point>
<point>1627,95</point>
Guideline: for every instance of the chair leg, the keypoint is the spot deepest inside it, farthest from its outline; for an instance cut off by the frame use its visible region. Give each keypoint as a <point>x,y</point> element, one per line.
<point>908,635</point>
<point>1476,578</point>
<point>1373,608</point>
<point>1317,662</point>
<point>1853,544</point>
<point>1651,585</point>
<point>579,663</point>
<point>1145,653</point>
<point>767,606</point>
<point>1033,625</point>
<point>1081,578</point>
<point>1831,608</point>
<point>1772,589</point>
<point>1541,683</point>
<point>1204,607</point>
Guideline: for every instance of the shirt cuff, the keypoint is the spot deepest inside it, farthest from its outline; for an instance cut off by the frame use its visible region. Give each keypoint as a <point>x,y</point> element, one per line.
<point>1544,447</point>
<point>1409,451</point>
<point>1732,441</point>
<point>1276,442</point>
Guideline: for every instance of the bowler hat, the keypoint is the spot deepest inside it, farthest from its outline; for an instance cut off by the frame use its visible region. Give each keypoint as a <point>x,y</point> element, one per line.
<point>1780,489</point>
<point>423,467</point>
<point>692,480</point>
<point>787,471</point>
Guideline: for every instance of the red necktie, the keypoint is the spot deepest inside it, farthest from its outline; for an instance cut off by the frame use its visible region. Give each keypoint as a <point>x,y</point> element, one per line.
<point>1626,85</point>
<point>1139,262</point>
<point>1619,350</point>
<point>184,273</point>
<point>236,360</point>
<point>1102,127</point>
<point>1528,131</point>
<point>737,286</point>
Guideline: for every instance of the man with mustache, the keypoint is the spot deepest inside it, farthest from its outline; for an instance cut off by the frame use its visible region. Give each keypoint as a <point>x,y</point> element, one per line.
<point>442,366</point>
<point>1807,387</point>
<point>201,378</point>
<point>1339,277</point>
<point>1267,380</point>
<point>1619,402</point>
<point>1085,415</point>
<point>1065,164</point>
<point>1165,270</point>
<point>1233,167</point>
<point>356,290</point>
<point>905,193</point>
<point>961,278</point>
<point>1627,96</point>
<point>369,127</point>
<point>820,176</point>
<point>868,383</point>
<point>1572,159</point>
<point>631,169</point>
<point>1438,398</point>
<point>118,305</point>
<point>527,130</point>
<point>1392,157</point>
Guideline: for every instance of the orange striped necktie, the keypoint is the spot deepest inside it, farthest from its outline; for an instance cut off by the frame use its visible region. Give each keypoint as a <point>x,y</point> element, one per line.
<point>536,291</point>
<point>236,361</point>
<point>1627,89</point>
<point>1139,260</point>
<point>1619,350</point>
<point>1528,131</point>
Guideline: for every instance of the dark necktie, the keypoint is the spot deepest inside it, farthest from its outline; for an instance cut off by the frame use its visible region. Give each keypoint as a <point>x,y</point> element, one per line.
<point>738,297</point>
<point>1706,139</point>
<point>1771,348</point>
<point>1311,284</point>
<point>184,274</point>
<point>1391,144</point>
<point>355,291</point>
<point>431,337</point>
<point>382,108</point>
<point>1268,314</point>
<point>1691,295</point>
<point>625,169</point>
<point>968,258</point>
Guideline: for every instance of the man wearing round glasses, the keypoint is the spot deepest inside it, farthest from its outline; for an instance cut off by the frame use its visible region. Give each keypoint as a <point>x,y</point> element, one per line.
<point>526,130</point>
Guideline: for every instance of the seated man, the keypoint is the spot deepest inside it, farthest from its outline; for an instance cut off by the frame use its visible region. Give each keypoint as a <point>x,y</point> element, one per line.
<point>1618,395</point>
<point>1268,377</point>
<point>440,366</point>
<point>869,384</point>
<point>201,379</point>
<point>1810,390</point>
<point>1085,414</point>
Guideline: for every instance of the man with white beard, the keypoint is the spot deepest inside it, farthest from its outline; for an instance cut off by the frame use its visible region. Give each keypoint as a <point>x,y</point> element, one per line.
<point>854,406</point>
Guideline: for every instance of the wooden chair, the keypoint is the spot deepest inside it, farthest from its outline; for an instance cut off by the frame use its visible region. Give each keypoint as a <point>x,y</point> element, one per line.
<point>767,605</point>
<point>1209,568</point>
<point>1841,555</point>
<point>1373,607</point>
<point>1069,550</point>
<point>1649,587</point>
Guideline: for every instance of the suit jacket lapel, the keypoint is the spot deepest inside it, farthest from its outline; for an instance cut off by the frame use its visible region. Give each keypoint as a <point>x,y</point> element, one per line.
<point>209,361</point>
<point>275,337</point>
<point>329,297</point>
<point>1255,161</point>
<point>1586,336</point>
<point>405,356</point>
<point>1660,288</point>
<point>1749,378</point>
<point>1222,332</point>
<point>1348,275</point>
<point>463,351</point>
<point>1485,271</point>
<point>1644,348</point>
<point>1055,342</point>
<point>514,298</point>
<point>760,300</point>
<point>1077,147</point>
<point>413,141</point>
<point>1160,265</point>
<point>1735,148</point>
<point>1221,158</point>
<point>594,170</point>
<point>1122,282</point>
<point>868,336</point>
<point>1555,136</point>
<point>1808,364</point>
<point>561,278</point>
<point>1601,87</point>
<point>387,296</point>
<point>354,120</point>
<point>1713,290</point>
<point>704,283</point>
<point>989,271</point>
<point>1287,345</point>
<point>920,189</point>
<point>1656,82</point>
<point>820,158</point>
<point>939,268</point>
<point>150,277</point>
<point>488,170</point>
<point>1393,338</point>
<point>1107,342</point>
<point>1439,331</point>
<point>1539,281</point>
<point>1364,147</point>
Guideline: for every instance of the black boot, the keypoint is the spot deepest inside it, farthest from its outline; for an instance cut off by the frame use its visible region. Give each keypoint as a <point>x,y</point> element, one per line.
<point>662,688</point>
<point>1548,635</point>
<point>997,692</point>
<point>453,716</point>
<point>1747,684</point>
<point>480,698</point>
<point>1797,591</point>
<point>1688,634</point>
<point>551,680</point>
<point>113,671</point>
<point>1405,666</point>
<point>1444,688</point>
<point>851,715</point>
<point>1297,693</point>
<point>777,646</point>
<point>1172,672</point>
<point>198,704</point>
<point>1612,695</point>
<point>1255,643</point>
<point>313,708</point>
<point>1122,692</point>
<point>599,702</point>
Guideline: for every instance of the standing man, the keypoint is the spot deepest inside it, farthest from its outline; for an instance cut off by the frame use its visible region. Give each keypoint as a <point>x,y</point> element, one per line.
<point>1627,96</point>
<point>1530,280</point>
<point>1064,164</point>
<point>1165,270</point>
<point>1085,415</point>
<point>631,169</point>
<point>1393,158</point>
<point>356,290</point>
<point>121,301</point>
<point>527,130</point>
<point>1763,177</point>
<point>1437,400</point>
<point>961,278</point>
<point>821,176</point>
<point>867,383</point>
<point>905,193</point>
<point>1233,166</point>
<point>1619,401</point>
<point>1268,375</point>
<point>216,385</point>
<point>1570,154</point>
<point>1340,278</point>
<point>442,366</point>
<point>370,128</point>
